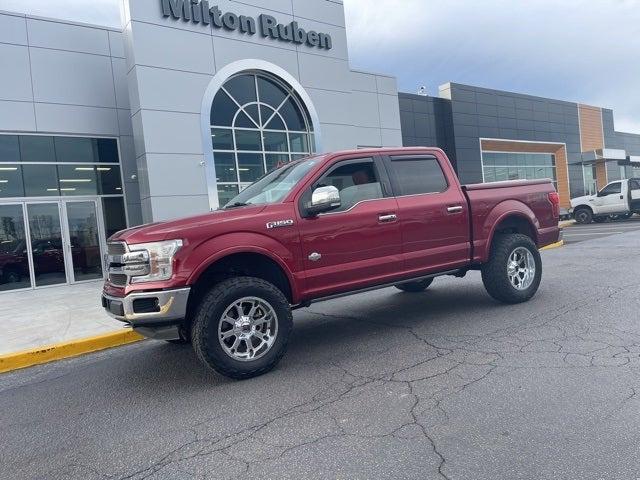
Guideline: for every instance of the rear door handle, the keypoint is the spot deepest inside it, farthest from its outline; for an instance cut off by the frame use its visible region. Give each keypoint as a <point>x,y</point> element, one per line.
<point>392,217</point>
<point>454,209</point>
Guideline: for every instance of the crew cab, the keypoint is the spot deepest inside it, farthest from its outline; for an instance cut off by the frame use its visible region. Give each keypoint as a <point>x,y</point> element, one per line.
<point>618,200</point>
<point>317,228</point>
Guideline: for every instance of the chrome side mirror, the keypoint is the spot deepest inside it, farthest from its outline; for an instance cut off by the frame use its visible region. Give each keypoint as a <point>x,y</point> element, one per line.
<point>324,199</point>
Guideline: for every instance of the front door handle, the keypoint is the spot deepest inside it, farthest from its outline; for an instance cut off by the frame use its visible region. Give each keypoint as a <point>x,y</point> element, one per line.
<point>454,209</point>
<point>392,217</point>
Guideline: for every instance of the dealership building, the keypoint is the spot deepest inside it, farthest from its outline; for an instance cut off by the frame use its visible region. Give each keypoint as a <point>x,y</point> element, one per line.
<point>191,101</point>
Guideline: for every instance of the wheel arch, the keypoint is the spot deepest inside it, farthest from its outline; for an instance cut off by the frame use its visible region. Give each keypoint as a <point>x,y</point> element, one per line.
<point>509,217</point>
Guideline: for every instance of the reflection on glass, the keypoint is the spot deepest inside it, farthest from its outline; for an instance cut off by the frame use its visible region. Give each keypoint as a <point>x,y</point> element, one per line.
<point>40,180</point>
<point>276,142</point>
<point>14,262</point>
<point>250,166</point>
<point>115,218</point>
<point>11,181</point>
<point>46,244</point>
<point>85,241</point>
<point>35,148</point>
<point>226,193</point>
<point>78,179</point>
<point>248,140</point>
<point>222,139</point>
<point>225,167</point>
<point>9,148</point>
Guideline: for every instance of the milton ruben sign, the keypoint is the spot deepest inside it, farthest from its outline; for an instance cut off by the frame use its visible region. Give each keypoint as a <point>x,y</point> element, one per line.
<point>199,11</point>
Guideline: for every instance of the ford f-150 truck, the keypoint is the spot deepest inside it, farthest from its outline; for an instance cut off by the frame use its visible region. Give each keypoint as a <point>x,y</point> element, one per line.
<point>617,200</point>
<point>317,228</point>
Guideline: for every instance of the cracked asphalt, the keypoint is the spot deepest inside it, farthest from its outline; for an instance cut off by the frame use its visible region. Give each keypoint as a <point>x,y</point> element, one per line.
<point>442,384</point>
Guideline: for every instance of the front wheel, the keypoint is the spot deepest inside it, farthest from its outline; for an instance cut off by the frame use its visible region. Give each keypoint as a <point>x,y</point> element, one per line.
<point>415,287</point>
<point>514,269</point>
<point>241,327</point>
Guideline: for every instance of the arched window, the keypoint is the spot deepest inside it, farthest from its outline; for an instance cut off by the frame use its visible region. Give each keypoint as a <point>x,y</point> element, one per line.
<point>258,123</point>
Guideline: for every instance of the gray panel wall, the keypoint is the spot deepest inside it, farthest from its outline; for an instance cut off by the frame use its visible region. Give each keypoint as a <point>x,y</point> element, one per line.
<point>170,64</point>
<point>427,121</point>
<point>485,113</point>
<point>65,78</point>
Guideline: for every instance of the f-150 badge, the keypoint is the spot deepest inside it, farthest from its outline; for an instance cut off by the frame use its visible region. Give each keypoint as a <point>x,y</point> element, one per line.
<point>280,223</point>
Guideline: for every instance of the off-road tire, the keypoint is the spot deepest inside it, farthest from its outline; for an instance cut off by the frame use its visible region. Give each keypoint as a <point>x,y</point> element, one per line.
<point>494,272</point>
<point>204,332</point>
<point>415,287</point>
<point>583,215</point>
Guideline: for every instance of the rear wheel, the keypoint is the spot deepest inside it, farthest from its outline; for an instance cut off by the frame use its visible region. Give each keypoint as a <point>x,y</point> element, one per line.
<point>242,327</point>
<point>583,215</point>
<point>514,269</point>
<point>415,287</point>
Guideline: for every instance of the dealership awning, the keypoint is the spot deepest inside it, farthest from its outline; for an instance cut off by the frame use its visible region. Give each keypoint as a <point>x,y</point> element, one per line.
<point>602,155</point>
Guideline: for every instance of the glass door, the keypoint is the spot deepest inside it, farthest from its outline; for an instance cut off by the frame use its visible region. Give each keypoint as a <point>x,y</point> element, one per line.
<point>47,248</point>
<point>83,242</point>
<point>15,273</point>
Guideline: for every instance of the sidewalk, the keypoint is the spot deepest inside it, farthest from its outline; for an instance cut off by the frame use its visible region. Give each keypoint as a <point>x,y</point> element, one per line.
<point>36,318</point>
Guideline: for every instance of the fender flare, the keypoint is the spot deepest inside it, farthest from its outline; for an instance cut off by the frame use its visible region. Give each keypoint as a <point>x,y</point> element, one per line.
<point>502,211</point>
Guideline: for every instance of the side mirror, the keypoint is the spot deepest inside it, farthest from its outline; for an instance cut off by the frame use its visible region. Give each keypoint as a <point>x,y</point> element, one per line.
<point>323,199</point>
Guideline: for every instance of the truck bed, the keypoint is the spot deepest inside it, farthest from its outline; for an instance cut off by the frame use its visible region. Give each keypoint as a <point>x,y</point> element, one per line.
<point>490,202</point>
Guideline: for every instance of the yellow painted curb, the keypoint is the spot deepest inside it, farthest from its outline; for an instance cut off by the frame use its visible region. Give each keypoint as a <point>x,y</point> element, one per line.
<point>72,348</point>
<point>566,223</point>
<point>548,247</point>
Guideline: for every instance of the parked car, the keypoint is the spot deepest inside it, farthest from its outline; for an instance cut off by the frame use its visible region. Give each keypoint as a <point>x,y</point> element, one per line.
<point>321,227</point>
<point>617,200</point>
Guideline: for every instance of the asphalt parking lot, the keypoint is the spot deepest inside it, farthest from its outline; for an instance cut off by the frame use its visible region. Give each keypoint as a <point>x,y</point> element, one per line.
<point>579,233</point>
<point>442,384</point>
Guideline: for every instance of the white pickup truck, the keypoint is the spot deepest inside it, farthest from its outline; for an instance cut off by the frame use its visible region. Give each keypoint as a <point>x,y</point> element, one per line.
<point>618,200</point>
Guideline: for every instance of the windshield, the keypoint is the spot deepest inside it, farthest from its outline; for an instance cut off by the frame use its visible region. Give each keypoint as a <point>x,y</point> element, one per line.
<point>274,186</point>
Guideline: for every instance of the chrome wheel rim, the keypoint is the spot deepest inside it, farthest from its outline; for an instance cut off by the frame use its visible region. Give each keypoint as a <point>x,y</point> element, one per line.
<point>521,268</point>
<point>248,329</point>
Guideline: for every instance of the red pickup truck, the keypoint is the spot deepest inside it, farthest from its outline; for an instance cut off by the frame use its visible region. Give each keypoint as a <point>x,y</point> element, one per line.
<point>321,227</point>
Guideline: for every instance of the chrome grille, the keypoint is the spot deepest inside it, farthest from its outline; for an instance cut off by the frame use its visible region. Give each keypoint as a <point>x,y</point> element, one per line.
<point>118,248</point>
<point>118,279</point>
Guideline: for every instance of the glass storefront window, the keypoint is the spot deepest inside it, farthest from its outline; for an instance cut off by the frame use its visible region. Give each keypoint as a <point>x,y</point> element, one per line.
<point>499,166</point>
<point>11,181</point>
<point>115,218</point>
<point>40,181</point>
<point>9,148</point>
<point>257,123</point>
<point>77,180</point>
<point>36,148</point>
<point>14,260</point>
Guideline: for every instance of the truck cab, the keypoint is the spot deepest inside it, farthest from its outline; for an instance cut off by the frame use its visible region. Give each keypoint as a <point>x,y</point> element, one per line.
<point>618,199</point>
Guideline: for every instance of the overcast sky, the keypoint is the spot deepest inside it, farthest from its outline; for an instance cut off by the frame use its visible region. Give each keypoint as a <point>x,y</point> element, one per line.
<point>580,50</point>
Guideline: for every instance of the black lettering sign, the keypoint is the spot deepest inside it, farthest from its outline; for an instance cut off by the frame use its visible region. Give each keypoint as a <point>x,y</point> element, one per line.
<point>199,11</point>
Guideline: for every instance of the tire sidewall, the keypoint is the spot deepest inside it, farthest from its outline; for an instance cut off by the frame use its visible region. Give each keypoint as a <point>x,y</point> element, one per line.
<point>208,318</point>
<point>495,275</point>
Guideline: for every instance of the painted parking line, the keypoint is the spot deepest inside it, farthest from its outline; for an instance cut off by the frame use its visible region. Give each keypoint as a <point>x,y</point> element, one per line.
<point>588,234</point>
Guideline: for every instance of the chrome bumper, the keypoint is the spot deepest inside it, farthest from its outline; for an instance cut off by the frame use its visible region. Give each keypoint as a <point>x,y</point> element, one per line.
<point>148,308</point>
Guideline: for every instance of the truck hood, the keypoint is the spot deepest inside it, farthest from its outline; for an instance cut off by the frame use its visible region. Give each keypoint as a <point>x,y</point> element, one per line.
<point>215,223</point>
<point>584,200</point>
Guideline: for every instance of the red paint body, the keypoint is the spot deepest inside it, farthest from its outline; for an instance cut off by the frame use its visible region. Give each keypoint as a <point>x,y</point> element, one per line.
<point>357,250</point>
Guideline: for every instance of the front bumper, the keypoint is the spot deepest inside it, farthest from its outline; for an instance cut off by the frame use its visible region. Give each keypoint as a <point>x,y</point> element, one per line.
<point>148,309</point>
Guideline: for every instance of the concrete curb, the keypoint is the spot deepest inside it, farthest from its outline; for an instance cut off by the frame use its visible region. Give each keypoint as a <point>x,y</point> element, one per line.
<point>566,223</point>
<point>548,247</point>
<point>72,348</point>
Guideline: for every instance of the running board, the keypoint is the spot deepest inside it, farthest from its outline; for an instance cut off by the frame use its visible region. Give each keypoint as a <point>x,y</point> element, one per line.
<point>461,272</point>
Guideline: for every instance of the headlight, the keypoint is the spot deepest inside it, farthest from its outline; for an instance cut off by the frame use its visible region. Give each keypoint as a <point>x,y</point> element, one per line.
<point>160,260</point>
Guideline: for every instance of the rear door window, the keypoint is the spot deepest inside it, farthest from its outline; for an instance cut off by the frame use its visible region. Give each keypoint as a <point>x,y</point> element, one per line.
<point>417,175</point>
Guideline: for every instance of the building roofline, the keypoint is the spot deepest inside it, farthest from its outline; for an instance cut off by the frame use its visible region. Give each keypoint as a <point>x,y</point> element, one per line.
<point>60,20</point>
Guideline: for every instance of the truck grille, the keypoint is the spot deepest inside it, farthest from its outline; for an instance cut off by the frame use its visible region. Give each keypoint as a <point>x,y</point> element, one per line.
<point>116,248</point>
<point>117,279</point>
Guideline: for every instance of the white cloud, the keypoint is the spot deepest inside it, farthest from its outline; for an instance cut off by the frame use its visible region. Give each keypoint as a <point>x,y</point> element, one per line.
<point>579,50</point>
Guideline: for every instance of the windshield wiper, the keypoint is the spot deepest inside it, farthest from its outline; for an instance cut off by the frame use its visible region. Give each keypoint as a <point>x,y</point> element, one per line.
<point>236,205</point>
